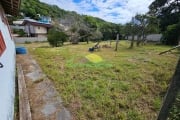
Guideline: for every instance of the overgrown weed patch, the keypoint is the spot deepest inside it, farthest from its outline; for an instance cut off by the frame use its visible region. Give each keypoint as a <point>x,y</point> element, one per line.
<point>128,84</point>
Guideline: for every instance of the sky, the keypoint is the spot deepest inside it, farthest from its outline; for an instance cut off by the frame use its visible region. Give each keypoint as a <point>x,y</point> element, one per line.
<point>115,11</point>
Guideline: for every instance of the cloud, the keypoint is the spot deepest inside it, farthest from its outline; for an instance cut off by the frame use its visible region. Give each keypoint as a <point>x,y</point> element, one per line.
<point>116,11</point>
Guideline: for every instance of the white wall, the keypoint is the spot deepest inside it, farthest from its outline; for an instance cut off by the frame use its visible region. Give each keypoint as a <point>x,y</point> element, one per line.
<point>40,30</point>
<point>7,75</point>
<point>29,29</point>
<point>151,37</point>
<point>17,27</point>
<point>154,37</point>
<point>30,39</point>
<point>35,29</point>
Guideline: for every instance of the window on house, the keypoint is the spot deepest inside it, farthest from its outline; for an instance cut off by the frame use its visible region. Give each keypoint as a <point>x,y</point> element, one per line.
<point>2,44</point>
<point>39,27</point>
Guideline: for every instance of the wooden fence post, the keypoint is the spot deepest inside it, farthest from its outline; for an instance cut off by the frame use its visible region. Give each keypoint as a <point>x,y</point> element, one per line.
<point>117,41</point>
<point>171,94</point>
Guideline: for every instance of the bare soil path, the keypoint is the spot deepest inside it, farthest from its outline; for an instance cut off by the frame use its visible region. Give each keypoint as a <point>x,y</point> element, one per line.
<point>45,103</point>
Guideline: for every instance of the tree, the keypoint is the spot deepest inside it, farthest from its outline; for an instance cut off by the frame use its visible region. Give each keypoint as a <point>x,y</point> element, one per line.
<point>96,35</point>
<point>56,37</point>
<point>106,31</point>
<point>153,24</point>
<point>126,30</point>
<point>84,34</point>
<point>168,13</point>
<point>142,22</point>
<point>133,30</point>
<point>74,35</point>
<point>171,36</point>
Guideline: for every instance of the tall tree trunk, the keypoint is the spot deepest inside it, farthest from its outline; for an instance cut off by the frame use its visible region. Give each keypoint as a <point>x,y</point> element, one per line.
<point>144,39</point>
<point>87,40</point>
<point>132,42</point>
<point>138,40</point>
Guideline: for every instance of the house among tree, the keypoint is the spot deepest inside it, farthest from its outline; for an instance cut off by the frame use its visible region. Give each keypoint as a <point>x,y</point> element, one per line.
<point>17,25</point>
<point>7,60</point>
<point>35,28</point>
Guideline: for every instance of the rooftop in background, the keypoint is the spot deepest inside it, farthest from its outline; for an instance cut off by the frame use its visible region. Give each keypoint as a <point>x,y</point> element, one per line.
<point>35,22</point>
<point>44,19</point>
<point>11,6</point>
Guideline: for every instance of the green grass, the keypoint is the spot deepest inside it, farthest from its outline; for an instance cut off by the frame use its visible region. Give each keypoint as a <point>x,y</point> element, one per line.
<point>129,84</point>
<point>175,110</point>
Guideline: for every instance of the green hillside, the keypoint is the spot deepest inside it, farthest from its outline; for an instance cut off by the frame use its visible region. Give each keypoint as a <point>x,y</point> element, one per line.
<point>31,8</point>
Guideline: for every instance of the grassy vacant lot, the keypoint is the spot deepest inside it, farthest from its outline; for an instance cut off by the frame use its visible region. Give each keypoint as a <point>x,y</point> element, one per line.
<point>127,85</point>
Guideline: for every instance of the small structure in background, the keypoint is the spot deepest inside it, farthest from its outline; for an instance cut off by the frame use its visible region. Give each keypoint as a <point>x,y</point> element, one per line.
<point>44,19</point>
<point>149,38</point>
<point>31,27</point>
<point>17,24</point>
<point>35,28</point>
<point>30,30</point>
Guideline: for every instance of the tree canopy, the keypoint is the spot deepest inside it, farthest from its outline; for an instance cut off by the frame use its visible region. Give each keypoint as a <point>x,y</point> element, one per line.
<point>168,13</point>
<point>56,37</point>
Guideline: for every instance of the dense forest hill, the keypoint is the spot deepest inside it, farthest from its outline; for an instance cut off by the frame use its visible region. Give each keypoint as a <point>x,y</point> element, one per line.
<point>70,20</point>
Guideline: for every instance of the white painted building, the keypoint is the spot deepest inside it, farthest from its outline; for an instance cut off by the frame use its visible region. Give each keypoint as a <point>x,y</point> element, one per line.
<point>7,60</point>
<point>149,38</point>
<point>35,28</point>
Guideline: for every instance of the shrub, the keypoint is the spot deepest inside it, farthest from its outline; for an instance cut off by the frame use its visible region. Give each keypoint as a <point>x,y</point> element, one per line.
<point>56,37</point>
<point>171,35</point>
<point>27,42</point>
<point>20,32</point>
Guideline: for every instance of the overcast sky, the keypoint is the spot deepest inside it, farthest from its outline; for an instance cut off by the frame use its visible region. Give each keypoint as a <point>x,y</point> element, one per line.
<point>116,11</point>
